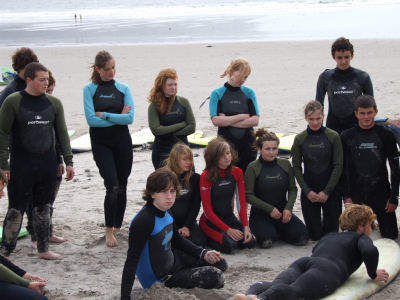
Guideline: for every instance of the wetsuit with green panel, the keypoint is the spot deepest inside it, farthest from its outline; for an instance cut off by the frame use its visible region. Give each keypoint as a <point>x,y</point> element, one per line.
<point>322,155</point>
<point>33,122</point>
<point>271,185</point>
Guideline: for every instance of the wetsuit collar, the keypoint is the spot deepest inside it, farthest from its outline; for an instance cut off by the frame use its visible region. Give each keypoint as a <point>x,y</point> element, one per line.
<point>156,211</point>
<point>365,130</point>
<point>319,131</point>
<point>24,92</point>
<point>223,172</point>
<point>107,83</point>
<point>267,163</point>
<point>231,88</point>
<point>348,70</point>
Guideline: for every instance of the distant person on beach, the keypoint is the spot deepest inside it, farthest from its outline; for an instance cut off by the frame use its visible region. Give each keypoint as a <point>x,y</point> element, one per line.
<point>156,248</point>
<point>234,110</point>
<point>343,85</point>
<point>320,150</point>
<point>109,110</point>
<point>271,190</point>
<point>221,183</point>
<point>60,171</point>
<point>187,205</point>
<point>20,59</point>
<point>16,283</point>
<point>170,116</point>
<point>33,118</point>
<point>367,148</point>
<point>333,260</point>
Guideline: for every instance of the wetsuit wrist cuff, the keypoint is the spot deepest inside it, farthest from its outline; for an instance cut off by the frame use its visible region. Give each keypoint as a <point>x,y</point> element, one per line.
<point>203,253</point>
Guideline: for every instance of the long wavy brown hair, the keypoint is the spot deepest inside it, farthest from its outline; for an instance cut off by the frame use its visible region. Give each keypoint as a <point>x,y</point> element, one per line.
<point>212,154</point>
<point>157,96</point>
<point>173,161</point>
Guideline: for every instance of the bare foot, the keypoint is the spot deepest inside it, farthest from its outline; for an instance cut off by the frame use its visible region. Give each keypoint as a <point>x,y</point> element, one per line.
<point>115,229</point>
<point>111,241</point>
<point>239,297</point>
<point>57,239</point>
<point>34,245</point>
<point>50,255</point>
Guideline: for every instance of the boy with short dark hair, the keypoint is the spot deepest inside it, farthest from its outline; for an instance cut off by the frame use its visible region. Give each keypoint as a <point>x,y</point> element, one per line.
<point>343,85</point>
<point>366,150</point>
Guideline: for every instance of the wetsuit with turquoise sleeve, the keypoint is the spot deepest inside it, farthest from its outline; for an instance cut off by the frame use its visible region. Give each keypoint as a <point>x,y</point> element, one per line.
<point>33,122</point>
<point>152,256</point>
<point>334,259</point>
<point>17,85</point>
<point>343,87</point>
<point>186,208</point>
<point>231,101</point>
<point>170,127</point>
<point>271,185</point>
<point>322,154</point>
<point>218,215</point>
<point>111,142</point>
<point>365,175</point>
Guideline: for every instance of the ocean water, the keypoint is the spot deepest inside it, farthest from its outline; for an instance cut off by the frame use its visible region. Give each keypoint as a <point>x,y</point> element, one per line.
<point>84,22</point>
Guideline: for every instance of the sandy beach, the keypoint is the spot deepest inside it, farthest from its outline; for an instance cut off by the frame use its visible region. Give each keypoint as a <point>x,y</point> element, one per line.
<point>284,76</point>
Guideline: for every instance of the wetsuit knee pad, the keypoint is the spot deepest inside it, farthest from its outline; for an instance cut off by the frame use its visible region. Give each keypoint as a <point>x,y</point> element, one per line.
<point>208,277</point>
<point>11,227</point>
<point>258,287</point>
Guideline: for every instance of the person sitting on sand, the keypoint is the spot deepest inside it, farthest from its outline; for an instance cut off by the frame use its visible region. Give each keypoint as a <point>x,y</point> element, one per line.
<point>336,256</point>
<point>234,110</point>
<point>60,171</point>
<point>170,116</point>
<point>271,190</point>
<point>109,110</point>
<point>33,119</point>
<point>187,205</point>
<point>15,283</point>
<point>153,241</point>
<point>220,183</point>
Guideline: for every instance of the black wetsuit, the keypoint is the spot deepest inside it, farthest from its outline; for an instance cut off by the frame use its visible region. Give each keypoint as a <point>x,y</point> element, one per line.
<point>322,154</point>
<point>365,175</point>
<point>342,87</point>
<point>17,85</point>
<point>268,186</point>
<point>169,128</point>
<point>153,256</point>
<point>33,122</point>
<point>334,259</point>
<point>111,143</point>
<point>186,208</point>
<point>232,101</point>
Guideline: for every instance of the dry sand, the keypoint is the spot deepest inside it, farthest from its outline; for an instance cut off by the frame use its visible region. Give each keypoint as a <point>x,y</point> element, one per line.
<point>284,76</point>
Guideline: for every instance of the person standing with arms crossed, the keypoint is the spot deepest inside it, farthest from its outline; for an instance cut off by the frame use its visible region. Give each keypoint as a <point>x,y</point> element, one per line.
<point>33,118</point>
<point>343,85</point>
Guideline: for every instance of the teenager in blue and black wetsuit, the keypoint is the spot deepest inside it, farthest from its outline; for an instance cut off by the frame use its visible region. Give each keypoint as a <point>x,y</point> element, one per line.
<point>333,260</point>
<point>367,148</point>
<point>170,116</point>
<point>234,110</point>
<point>187,205</point>
<point>271,190</point>
<point>153,241</point>
<point>109,110</point>
<point>320,149</point>
<point>343,85</point>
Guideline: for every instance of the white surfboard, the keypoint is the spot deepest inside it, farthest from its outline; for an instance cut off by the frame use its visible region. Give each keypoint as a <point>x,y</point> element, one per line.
<point>81,144</point>
<point>359,285</point>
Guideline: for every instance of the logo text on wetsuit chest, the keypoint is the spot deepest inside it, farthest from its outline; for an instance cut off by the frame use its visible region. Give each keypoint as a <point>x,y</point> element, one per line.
<point>277,176</point>
<point>367,146</point>
<point>343,90</point>
<point>224,182</point>
<point>38,120</point>
<point>320,145</point>
<point>107,96</point>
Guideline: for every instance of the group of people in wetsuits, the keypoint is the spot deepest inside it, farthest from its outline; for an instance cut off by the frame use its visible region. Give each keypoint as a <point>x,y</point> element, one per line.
<point>165,242</point>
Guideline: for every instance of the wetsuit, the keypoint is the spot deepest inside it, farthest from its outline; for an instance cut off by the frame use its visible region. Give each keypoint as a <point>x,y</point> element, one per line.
<point>33,122</point>
<point>272,185</point>
<point>342,87</point>
<point>322,154</point>
<point>365,175</point>
<point>232,101</point>
<point>152,255</point>
<point>334,259</point>
<point>12,285</point>
<point>111,142</point>
<point>169,128</point>
<point>218,216</point>
<point>18,84</point>
<point>186,208</point>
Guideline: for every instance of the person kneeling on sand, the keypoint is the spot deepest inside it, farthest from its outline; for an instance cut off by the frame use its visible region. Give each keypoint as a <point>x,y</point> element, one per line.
<point>15,283</point>
<point>333,260</point>
<point>157,252</point>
